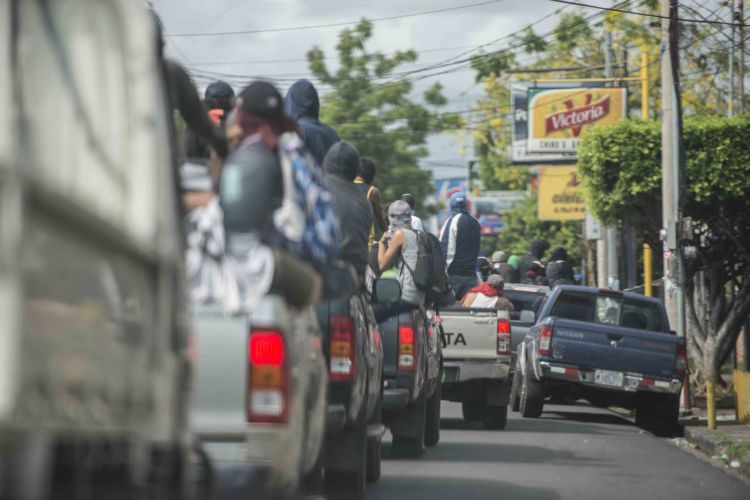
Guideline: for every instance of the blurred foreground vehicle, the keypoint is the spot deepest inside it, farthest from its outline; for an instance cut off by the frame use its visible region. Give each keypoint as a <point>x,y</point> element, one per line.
<point>93,366</point>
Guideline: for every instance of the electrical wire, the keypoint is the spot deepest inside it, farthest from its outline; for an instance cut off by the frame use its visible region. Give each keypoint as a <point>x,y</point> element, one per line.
<point>334,25</point>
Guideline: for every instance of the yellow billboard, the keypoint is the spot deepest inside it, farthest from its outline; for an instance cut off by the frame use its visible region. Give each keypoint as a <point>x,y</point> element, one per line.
<point>560,195</point>
<point>559,118</point>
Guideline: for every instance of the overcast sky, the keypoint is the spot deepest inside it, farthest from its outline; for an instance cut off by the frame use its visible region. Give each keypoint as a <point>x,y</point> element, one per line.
<point>280,55</point>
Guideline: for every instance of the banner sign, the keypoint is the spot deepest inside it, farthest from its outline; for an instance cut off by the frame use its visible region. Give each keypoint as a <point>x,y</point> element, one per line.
<point>520,115</point>
<point>560,195</point>
<point>559,118</point>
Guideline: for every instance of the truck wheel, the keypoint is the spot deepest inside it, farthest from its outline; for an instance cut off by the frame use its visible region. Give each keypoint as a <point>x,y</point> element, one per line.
<point>658,413</point>
<point>412,446</point>
<point>495,417</point>
<point>515,390</point>
<point>374,444</point>
<point>532,395</point>
<point>350,480</point>
<point>432,431</point>
<point>472,410</point>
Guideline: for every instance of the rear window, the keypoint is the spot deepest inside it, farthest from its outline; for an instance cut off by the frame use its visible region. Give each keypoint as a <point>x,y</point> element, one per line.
<point>523,301</point>
<point>617,311</point>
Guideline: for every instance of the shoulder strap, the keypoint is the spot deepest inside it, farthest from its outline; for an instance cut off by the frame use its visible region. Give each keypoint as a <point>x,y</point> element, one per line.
<point>370,191</point>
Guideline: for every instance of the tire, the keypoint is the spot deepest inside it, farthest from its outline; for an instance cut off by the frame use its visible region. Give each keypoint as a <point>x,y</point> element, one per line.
<point>352,482</point>
<point>472,410</point>
<point>373,459</point>
<point>432,424</point>
<point>658,414</point>
<point>515,390</point>
<point>495,417</point>
<point>410,447</point>
<point>313,482</point>
<point>531,402</point>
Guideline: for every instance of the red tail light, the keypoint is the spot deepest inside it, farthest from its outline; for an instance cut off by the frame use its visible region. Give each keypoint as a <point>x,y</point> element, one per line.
<point>406,348</point>
<point>545,340</point>
<point>680,362</point>
<point>504,345</point>
<point>342,348</point>
<point>268,377</point>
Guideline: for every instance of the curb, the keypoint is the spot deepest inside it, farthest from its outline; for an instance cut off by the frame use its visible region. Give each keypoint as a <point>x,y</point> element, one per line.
<point>706,442</point>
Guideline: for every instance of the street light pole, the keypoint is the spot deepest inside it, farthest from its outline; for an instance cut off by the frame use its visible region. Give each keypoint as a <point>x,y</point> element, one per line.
<point>613,274</point>
<point>731,60</point>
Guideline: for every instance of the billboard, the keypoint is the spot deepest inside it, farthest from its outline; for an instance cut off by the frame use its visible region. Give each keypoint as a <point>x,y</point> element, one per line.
<point>560,194</point>
<point>521,114</point>
<point>559,118</point>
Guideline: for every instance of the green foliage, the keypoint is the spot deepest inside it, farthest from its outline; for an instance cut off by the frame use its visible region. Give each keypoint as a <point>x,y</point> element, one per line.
<point>522,227</point>
<point>378,117</point>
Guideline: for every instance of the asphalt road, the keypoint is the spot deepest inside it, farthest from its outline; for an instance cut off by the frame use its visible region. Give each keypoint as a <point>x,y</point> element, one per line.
<point>571,452</point>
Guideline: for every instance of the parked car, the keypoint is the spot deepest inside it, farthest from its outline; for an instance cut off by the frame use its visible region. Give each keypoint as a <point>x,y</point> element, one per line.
<point>354,354</point>
<point>260,401</point>
<point>477,353</point>
<point>606,346</point>
<point>412,371</point>
<point>93,345</point>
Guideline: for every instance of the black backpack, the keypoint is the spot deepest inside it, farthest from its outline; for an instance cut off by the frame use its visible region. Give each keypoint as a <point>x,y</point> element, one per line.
<point>429,273</point>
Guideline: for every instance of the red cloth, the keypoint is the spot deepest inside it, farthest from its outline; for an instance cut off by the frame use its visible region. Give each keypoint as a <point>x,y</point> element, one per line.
<point>487,290</point>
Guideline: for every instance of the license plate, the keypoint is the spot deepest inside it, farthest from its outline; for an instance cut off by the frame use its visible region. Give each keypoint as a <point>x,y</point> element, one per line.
<point>612,379</point>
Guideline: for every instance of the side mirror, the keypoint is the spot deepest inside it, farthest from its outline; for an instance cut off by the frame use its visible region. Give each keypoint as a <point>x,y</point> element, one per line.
<point>387,291</point>
<point>527,316</point>
<point>339,280</point>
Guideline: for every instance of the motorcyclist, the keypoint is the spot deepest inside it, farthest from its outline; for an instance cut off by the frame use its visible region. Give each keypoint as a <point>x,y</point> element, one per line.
<point>341,164</point>
<point>536,253</point>
<point>459,239</point>
<point>400,251</point>
<point>303,105</point>
<point>559,271</point>
<point>501,267</point>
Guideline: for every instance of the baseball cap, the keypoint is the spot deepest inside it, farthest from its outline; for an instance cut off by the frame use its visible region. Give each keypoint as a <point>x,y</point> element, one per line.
<point>263,100</point>
<point>218,90</point>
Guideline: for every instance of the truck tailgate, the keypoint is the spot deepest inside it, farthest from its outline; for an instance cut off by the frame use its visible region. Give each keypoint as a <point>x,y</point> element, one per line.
<point>218,402</point>
<point>469,333</point>
<point>615,348</point>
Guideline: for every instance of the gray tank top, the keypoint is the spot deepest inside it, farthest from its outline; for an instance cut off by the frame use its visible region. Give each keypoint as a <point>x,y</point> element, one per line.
<point>409,291</point>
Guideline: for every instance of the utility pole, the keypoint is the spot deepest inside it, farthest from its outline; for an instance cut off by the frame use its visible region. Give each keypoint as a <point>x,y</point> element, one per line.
<point>730,109</point>
<point>741,46</point>
<point>613,274</point>
<point>672,171</point>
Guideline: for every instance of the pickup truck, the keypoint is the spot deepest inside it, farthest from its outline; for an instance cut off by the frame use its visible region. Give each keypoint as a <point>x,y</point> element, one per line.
<point>94,365</point>
<point>354,352</point>
<point>606,346</point>
<point>259,401</point>
<point>477,360</point>
<point>412,367</point>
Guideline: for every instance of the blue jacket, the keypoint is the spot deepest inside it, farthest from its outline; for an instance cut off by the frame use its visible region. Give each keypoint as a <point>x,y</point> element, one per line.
<point>303,105</point>
<point>460,242</point>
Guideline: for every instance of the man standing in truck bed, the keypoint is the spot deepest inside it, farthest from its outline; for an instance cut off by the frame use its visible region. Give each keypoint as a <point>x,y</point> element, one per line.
<point>459,239</point>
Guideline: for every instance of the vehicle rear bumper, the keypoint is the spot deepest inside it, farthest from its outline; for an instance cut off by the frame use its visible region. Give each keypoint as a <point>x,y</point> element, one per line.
<point>632,382</point>
<point>395,399</point>
<point>463,371</point>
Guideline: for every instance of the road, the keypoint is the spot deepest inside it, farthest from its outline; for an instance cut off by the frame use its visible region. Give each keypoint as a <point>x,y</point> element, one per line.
<point>572,452</point>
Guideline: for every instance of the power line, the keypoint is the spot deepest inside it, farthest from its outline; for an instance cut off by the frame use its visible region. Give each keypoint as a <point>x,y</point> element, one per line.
<point>334,25</point>
<point>644,14</point>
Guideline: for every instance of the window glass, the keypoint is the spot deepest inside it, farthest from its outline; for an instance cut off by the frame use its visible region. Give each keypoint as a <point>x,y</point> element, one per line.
<point>608,310</point>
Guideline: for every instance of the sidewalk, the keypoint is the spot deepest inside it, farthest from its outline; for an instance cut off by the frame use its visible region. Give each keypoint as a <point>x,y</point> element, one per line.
<point>728,444</point>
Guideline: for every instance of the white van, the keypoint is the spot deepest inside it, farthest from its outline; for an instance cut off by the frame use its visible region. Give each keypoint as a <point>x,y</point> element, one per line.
<point>93,338</point>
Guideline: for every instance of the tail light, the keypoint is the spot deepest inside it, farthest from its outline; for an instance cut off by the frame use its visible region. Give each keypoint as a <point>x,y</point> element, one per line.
<point>342,352</point>
<point>504,347</point>
<point>406,348</point>
<point>268,377</point>
<point>680,362</point>
<point>545,339</point>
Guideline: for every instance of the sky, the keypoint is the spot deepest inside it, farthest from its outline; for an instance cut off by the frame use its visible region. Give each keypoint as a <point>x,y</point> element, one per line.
<point>280,55</point>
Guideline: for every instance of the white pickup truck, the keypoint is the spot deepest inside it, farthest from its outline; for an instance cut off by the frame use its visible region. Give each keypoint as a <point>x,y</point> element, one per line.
<point>477,360</point>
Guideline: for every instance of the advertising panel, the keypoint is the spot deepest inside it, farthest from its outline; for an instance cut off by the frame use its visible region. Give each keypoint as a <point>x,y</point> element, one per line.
<point>560,195</point>
<point>559,118</point>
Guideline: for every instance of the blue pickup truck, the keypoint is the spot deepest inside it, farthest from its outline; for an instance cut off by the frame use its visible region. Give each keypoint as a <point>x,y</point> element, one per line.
<point>605,346</point>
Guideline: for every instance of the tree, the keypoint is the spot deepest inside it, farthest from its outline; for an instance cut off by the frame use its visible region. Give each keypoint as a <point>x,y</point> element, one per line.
<point>620,167</point>
<point>371,107</point>
<point>522,227</point>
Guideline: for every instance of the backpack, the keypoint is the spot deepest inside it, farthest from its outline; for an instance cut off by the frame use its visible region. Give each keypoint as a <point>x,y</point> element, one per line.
<point>429,272</point>
<point>306,219</point>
